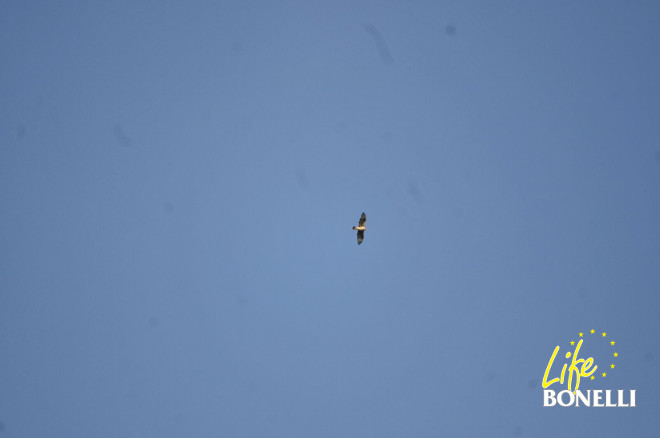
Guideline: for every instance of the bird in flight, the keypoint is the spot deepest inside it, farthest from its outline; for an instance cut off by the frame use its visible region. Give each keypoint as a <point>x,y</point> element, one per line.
<point>361,228</point>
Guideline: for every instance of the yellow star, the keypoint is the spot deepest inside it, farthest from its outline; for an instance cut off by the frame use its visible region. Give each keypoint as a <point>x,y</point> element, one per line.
<point>604,334</point>
<point>612,366</point>
<point>604,374</point>
<point>593,331</point>
<point>592,377</point>
<point>580,334</point>
<point>616,354</point>
<point>612,342</point>
<point>572,342</point>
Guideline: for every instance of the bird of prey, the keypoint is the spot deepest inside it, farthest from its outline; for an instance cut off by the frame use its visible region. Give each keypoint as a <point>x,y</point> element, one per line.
<point>361,228</point>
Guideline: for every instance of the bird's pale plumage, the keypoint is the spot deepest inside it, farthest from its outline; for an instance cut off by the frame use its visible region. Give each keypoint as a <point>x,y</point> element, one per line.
<point>361,228</point>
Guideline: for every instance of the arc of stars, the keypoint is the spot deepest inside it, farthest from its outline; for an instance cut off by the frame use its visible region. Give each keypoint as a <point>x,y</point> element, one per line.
<point>604,335</point>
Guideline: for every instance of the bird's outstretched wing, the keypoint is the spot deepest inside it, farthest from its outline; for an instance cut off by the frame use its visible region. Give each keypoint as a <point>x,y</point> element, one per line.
<point>363,220</point>
<point>360,236</point>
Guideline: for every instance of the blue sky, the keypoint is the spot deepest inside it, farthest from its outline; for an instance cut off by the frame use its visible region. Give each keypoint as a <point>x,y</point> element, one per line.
<point>179,181</point>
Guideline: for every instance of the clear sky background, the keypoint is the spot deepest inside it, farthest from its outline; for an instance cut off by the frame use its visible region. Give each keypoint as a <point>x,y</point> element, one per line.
<point>178,183</point>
